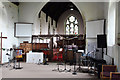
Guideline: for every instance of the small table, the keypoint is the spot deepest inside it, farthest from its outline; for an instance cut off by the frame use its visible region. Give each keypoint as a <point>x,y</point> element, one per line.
<point>34,57</point>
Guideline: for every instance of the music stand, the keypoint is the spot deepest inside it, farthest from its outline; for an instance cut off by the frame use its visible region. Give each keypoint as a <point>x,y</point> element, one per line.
<point>45,57</point>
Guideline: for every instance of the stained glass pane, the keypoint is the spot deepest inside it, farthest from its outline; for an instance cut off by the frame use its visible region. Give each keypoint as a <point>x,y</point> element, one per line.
<point>71,28</point>
<point>76,22</point>
<point>71,25</point>
<point>72,18</point>
<point>71,32</point>
<point>76,27</point>
<point>67,27</point>
<point>67,22</point>
<point>67,32</point>
<point>76,32</point>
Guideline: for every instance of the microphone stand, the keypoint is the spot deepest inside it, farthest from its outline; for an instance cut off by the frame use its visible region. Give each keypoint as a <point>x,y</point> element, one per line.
<point>74,57</point>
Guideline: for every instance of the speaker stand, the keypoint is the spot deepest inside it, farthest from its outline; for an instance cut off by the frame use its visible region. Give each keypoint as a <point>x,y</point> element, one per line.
<point>102,53</point>
<point>74,72</point>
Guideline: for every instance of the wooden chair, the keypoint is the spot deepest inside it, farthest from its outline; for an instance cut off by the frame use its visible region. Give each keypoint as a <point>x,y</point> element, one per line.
<point>114,75</point>
<point>106,69</point>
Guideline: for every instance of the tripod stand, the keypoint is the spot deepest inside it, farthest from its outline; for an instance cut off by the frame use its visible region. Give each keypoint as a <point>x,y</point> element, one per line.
<point>65,69</point>
<point>9,57</point>
<point>79,54</point>
<point>9,65</point>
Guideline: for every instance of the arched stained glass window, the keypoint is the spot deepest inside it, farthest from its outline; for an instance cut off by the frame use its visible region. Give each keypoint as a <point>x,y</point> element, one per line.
<point>71,26</point>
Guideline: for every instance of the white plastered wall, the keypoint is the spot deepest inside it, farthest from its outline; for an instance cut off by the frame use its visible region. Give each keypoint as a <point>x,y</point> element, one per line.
<point>8,15</point>
<point>111,16</point>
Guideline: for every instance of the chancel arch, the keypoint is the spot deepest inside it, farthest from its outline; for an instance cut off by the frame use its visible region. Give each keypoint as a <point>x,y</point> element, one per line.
<point>56,14</point>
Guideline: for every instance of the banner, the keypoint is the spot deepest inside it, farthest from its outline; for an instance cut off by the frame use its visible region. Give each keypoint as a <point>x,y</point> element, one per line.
<point>18,53</point>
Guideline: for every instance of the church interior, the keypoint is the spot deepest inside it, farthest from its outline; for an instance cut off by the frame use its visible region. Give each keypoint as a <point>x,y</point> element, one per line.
<point>67,39</point>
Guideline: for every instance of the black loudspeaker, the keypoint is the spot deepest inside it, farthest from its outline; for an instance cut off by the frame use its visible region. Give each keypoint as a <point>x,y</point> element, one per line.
<point>101,41</point>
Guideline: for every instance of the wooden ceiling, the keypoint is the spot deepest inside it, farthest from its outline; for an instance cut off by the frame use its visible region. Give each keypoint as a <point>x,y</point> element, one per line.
<point>16,3</point>
<point>56,9</point>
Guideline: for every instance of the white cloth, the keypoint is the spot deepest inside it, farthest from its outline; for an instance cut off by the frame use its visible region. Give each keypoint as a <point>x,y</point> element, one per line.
<point>35,57</point>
